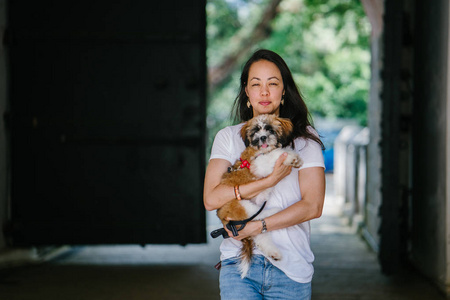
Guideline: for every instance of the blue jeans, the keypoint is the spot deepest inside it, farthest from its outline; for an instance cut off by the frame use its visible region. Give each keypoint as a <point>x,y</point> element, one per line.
<point>263,281</point>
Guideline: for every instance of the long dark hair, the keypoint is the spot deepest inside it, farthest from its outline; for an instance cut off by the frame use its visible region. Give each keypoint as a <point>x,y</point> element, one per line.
<point>294,106</point>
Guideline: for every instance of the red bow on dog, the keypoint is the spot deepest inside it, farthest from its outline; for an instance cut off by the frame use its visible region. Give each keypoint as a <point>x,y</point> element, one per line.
<point>245,164</point>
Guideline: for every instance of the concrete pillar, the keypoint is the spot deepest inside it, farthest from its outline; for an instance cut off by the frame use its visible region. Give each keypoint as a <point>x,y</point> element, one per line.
<point>374,10</point>
<point>447,233</point>
<point>4,206</point>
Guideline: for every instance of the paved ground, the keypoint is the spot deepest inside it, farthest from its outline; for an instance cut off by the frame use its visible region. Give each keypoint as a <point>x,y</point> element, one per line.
<point>345,270</point>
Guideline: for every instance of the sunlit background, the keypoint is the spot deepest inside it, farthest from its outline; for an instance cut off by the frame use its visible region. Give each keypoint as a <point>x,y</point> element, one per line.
<point>325,44</point>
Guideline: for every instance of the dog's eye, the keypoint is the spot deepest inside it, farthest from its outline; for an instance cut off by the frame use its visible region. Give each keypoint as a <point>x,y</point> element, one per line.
<point>254,131</point>
<point>269,129</point>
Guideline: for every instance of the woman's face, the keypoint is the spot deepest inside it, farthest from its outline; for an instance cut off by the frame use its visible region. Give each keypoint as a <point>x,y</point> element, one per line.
<point>264,88</point>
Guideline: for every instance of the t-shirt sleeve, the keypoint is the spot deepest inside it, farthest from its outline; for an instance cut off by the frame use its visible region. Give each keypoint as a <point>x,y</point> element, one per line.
<point>222,144</point>
<point>311,153</point>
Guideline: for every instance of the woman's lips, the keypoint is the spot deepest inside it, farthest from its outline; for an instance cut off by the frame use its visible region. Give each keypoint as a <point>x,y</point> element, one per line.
<point>264,103</point>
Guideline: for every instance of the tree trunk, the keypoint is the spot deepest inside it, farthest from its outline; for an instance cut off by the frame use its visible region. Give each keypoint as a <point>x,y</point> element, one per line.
<point>244,40</point>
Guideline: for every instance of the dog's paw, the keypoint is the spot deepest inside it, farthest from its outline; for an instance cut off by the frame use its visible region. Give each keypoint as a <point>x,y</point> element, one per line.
<point>297,163</point>
<point>275,255</point>
<point>293,160</point>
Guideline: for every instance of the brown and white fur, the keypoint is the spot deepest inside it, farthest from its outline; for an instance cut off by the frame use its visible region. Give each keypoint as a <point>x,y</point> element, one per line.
<point>265,137</point>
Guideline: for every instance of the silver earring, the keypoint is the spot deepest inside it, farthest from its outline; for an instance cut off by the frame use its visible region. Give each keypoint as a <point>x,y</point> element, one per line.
<point>248,104</point>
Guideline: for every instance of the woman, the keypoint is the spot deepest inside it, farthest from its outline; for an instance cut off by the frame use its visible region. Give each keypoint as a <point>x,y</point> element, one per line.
<point>267,87</point>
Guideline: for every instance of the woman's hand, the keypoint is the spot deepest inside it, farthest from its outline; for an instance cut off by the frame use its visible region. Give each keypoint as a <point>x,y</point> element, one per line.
<point>280,170</point>
<point>252,228</point>
<point>215,194</point>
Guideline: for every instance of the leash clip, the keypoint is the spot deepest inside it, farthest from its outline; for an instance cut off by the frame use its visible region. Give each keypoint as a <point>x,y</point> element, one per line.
<point>232,225</point>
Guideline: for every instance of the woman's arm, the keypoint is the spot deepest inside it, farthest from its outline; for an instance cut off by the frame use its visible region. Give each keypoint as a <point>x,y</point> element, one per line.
<point>312,187</point>
<point>215,194</point>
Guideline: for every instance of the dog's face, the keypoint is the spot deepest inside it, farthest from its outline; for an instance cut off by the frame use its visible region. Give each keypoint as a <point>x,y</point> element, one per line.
<point>267,132</point>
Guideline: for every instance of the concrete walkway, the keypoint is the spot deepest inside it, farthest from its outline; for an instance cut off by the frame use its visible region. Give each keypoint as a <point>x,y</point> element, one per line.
<point>345,270</point>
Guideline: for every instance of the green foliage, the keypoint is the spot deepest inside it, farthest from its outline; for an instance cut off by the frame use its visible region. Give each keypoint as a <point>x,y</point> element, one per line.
<point>324,42</point>
<point>223,22</point>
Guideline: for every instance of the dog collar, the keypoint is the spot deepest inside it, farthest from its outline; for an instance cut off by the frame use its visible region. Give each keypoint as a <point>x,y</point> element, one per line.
<point>245,164</point>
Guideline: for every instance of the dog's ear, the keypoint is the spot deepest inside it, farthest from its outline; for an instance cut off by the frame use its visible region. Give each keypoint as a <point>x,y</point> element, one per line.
<point>286,125</point>
<point>286,131</point>
<point>244,134</point>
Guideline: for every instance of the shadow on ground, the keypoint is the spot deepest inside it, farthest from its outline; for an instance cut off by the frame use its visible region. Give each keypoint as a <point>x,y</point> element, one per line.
<point>346,269</point>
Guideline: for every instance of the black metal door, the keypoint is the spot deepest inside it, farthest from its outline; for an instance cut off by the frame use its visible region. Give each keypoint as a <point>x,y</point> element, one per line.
<point>108,121</point>
<point>394,209</point>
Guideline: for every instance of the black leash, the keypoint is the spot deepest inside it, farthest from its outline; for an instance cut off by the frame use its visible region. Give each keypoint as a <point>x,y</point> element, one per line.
<point>232,225</point>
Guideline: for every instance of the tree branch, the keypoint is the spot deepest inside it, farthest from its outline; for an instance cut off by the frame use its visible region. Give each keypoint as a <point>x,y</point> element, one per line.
<point>244,40</point>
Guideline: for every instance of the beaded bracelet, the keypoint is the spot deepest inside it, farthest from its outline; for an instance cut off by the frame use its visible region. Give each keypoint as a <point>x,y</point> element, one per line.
<point>236,192</point>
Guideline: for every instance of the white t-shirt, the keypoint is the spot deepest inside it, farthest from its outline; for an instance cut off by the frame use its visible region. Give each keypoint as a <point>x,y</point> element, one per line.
<point>294,241</point>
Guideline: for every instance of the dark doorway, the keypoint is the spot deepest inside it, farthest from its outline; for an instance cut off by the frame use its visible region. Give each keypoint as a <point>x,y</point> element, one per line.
<point>108,121</point>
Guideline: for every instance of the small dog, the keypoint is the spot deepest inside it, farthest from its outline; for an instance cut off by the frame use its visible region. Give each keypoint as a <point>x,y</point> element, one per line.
<point>265,137</point>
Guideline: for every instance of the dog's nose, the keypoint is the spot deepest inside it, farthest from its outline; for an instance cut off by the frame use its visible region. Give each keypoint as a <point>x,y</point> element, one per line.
<point>263,138</point>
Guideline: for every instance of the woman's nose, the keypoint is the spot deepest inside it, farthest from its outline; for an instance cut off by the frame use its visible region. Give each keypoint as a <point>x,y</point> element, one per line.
<point>264,90</point>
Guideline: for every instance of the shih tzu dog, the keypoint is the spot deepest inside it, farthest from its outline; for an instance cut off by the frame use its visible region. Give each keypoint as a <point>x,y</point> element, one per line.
<point>265,138</point>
